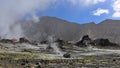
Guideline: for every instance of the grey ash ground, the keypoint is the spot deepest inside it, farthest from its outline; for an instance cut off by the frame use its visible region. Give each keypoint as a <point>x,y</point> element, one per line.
<point>57,53</point>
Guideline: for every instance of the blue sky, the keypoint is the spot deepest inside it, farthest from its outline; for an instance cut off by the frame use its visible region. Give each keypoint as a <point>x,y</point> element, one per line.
<point>81,12</point>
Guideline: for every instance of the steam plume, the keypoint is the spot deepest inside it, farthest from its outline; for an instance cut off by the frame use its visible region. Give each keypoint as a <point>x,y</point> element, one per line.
<point>11,11</point>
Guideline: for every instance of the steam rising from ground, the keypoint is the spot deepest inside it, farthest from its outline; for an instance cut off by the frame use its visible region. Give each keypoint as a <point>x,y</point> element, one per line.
<point>11,11</point>
<point>51,40</point>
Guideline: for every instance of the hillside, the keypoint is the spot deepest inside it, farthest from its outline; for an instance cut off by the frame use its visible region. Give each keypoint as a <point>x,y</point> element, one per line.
<point>52,26</point>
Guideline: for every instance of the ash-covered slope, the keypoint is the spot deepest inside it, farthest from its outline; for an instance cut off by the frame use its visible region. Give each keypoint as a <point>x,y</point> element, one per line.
<point>107,29</point>
<point>51,26</point>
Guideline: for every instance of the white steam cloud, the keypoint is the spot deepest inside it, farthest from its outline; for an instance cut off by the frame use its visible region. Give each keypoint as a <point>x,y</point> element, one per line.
<point>13,10</point>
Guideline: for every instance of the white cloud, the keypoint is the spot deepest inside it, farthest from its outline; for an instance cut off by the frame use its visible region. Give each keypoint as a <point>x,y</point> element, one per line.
<point>97,1</point>
<point>100,11</point>
<point>116,14</point>
<point>94,1</point>
<point>116,8</point>
<point>85,2</point>
<point>13,10</point>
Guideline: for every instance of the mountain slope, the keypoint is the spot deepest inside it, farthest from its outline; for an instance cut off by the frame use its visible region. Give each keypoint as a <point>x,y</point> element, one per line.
<point>51,26</point>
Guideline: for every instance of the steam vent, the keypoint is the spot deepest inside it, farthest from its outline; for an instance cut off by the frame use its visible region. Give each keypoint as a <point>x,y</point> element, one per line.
<point>59,33</point>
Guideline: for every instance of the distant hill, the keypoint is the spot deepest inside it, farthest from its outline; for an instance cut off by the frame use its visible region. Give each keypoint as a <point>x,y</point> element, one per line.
<point>52,26</point>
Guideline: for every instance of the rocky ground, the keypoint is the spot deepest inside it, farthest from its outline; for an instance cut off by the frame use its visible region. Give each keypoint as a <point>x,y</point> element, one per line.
<point>85,53</point>
<point>104,61</point>
<point>25,55</point>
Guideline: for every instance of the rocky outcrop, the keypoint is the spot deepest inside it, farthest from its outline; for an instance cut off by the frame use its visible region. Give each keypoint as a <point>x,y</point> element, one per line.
<point>23,40</point>
<point>12,41</point>
<point>86,41</point>
<point>104,42</point>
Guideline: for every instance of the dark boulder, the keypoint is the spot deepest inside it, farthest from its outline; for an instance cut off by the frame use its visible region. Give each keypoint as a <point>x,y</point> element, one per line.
<point>67,55</point>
